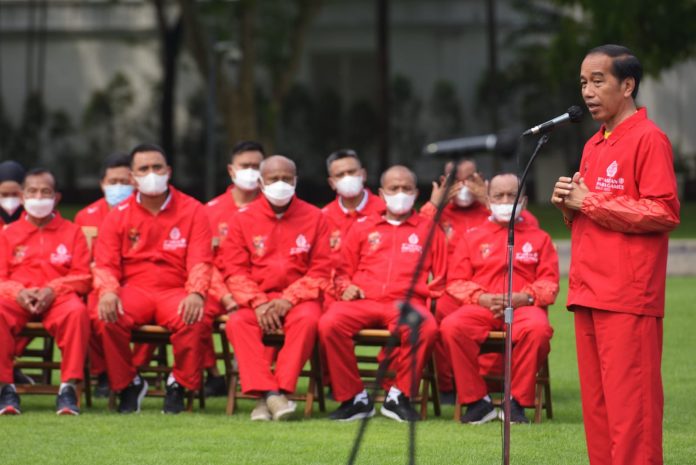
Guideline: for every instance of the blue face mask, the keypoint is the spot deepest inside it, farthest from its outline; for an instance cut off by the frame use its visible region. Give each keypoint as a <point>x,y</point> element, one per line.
<point>117,193</point>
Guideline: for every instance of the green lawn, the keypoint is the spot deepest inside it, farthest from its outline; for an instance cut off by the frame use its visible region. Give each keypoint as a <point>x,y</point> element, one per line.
<point>99,437</point>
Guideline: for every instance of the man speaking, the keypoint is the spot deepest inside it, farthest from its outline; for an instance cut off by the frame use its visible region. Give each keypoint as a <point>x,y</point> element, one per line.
<point>620,207</point>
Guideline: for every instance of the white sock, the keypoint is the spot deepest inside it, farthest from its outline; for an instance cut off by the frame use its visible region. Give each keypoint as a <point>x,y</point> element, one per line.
<point>361,397</point>
<point>394,394</point>
<point>171,380</point>
<point>137,381</point>
<point>487,398</point>
<point>64,385</point>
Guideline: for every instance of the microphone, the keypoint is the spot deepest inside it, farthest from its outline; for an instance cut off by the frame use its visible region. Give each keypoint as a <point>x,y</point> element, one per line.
<point>573,116</point>
<point>504,143</point>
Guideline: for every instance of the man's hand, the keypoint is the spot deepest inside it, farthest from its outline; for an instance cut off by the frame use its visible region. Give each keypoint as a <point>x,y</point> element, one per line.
<point>44,299</point>
<point>577,195</point>
<point>494,302</point>
<point>191,308</point>
<point>520,299</point>
<point>281,306</point>
<point>561,191</point>
<point>479,188</point>
<point>109,307</point>
<point>26,298</point>
<point>439,191</point>
<point>268,320</point>
<point>353,292</point>
<point>228,303</point>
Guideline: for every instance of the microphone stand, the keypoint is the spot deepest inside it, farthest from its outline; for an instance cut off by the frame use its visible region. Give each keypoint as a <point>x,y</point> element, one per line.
<point>508,309</point>
<point>411,319</point>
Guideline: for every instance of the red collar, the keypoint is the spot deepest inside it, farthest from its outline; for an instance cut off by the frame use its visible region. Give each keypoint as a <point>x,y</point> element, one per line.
<point>623,127</point>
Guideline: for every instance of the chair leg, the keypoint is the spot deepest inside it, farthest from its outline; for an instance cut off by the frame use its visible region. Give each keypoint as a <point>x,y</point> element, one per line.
<point>232,394</point>
<point>547,391</point>
<point>201,393</point>
<point>87,383</point>
<point>425,387</point>
<point>457,410</point>
<point>434,386</point>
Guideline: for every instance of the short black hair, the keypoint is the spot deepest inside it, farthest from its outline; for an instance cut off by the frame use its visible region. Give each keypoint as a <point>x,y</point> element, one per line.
<point>11,170</point>
<point>38,171</point>
<point>508,173</point>
<point>624,63</point>
<point>146,147</point>
<point>338,155</point>
<point>114,160</point>
<point>246,146</point>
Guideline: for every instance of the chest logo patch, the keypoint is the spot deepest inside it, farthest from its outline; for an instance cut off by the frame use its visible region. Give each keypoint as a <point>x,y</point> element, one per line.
<point>335,239</point>
<point>374,239</point>
<point>301,245</point>
<point>609,183</point>
<point>485,250</point>
<point>175,240</point>
<point>527,255</point>
<point>61,256</point>
<point>19,253</point>
<point>259,245</point>
<point>412,246</point>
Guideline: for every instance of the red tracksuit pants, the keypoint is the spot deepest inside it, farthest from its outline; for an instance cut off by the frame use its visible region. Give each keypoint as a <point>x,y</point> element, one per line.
<point>619,360</point>
<point>67,321</point>
<point>345,319</point>
<point>465,330</point>
<point>142,307</point>
<point>246,337</point>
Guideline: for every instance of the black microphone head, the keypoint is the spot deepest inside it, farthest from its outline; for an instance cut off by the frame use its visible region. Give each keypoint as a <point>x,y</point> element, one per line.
<point>575,113</point>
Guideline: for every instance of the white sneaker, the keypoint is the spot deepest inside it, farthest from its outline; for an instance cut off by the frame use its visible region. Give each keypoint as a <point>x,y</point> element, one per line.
<point>261,412</point>
<point>280,407</point>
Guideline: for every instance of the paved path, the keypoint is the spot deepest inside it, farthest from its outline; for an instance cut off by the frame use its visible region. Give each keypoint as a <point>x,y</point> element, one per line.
<point>681,260</point>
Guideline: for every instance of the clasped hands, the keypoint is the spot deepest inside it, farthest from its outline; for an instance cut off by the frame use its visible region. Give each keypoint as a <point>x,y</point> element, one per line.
<point>270,315</point>
<point>36,300</point>
<point>569,194</point>
<point>496,302</point>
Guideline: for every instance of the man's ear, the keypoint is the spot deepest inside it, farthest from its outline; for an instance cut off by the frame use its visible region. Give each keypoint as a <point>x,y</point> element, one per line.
<point>363,173</point>
<point>381,193</point>
<point>332,184</point>
<point>230,170</point>
<point>58,198</point>
<point>629,86</point>
<point>523,203</point>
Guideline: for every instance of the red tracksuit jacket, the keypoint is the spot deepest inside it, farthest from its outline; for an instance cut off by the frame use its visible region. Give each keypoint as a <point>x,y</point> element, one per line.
<point>163,251</point>
<point>479,265</point>
<point>93,214</point>
<point>620,236</point>
<point>265,254</point>
<point>54,256</point>
<point>380,259</point>
<point>341,221</point>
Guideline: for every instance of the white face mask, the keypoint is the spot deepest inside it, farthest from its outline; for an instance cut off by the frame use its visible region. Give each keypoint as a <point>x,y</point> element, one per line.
<point>503,211</point>
<point>39,208</point>
<point>117,193</point>
<point>399,204</point>
<point>10,204</point>
<point>247,179</point>
<point>279,193</point>
<point>349,186</point>
<point>152,183</point>
<point>464,198</point>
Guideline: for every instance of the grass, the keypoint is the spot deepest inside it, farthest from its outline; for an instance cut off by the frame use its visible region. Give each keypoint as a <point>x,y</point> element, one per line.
<point>100,437</point>
<point>549,219</point>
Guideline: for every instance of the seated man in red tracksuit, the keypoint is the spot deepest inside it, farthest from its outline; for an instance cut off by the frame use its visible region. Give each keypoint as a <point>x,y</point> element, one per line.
<point>276,264</point>
<point>245,159</point>
<point>153,263</point>
<point>117,185</point>
<point>380,256</point>
<point>44,271</point>
<point>477,279</point>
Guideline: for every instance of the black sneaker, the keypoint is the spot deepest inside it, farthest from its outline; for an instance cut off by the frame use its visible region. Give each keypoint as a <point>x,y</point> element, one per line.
<point>66,402</point>
<point>517,415</point>
<point>480,412</point>
<point>174,399</point>
<point>399,410</point>
<point>132,396</point>
<point>215,386</point>
<point>9,401</point>
<point>351,410</point>
<point>102,390</point>
<point>21,378</point>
